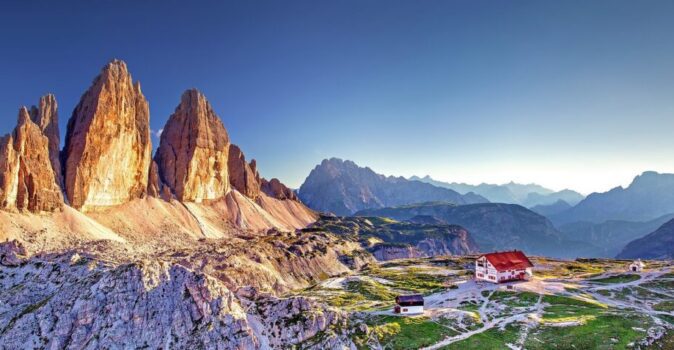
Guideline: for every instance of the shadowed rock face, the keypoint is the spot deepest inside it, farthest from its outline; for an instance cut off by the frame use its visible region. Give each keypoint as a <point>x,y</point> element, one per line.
<point>274,188</point>
<point>27,179</point>
<point>108,148</point>
<point>495,226</point>
<point>343,188</point>
<point>387,239</point>
<point>193,151</point>
<point>243,176</point>
<point>656,245</point>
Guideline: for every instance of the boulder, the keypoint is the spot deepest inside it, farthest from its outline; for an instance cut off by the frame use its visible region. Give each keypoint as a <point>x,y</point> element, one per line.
<point>12,253</point>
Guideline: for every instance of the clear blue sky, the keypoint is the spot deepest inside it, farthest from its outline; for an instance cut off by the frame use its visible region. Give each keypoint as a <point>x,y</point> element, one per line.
<point>576,94</point>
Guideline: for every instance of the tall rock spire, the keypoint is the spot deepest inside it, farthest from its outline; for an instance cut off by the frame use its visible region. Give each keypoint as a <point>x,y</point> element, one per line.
<point>45,115</point>
<point>193,151</point>
<point>243,176</point>
<point>27,179</point>
<point>108,149</point>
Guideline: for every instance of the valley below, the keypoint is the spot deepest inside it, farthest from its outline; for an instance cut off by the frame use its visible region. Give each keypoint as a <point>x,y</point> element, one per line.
<point>323,287</point>
<point>585,304</point>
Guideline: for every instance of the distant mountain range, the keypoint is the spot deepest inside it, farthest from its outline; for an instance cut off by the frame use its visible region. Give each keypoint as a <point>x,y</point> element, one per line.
<point>527,195</point>
<point>657,245</point>
<point>607,239</point>
<point>343,188</point>
<point>561,224</point>
<point>551,209</point>
<point>649,196</point>
<point>494,226</point>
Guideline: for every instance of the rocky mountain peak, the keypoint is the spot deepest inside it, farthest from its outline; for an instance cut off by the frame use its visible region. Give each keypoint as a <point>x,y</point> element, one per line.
<point>27,179</point>
<point>651,180</point>
<point>274,188</point>
<point>193,151</point>
<point>343,187</point>
<point>243,176</point>
<point>45,115</point>
<point>108,148</point>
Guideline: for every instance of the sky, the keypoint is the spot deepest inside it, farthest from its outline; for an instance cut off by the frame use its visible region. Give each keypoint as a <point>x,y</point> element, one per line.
<point>567,94</point>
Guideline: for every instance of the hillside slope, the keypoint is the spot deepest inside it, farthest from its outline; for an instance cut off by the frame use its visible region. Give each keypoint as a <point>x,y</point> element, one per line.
<point>388,239</point>
<point>494,226</point>
<point>656,245</point>
<point>609,238</point>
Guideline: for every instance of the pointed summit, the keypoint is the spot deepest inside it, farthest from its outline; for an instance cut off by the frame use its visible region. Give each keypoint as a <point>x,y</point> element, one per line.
<point>45,115</point>
<point>27,180</point>
<point>243,176</point>
<point>193,151</point>
<point>108,148</point>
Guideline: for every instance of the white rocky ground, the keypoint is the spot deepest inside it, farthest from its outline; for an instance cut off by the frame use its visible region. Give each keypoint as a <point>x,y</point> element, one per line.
<point>191,297</point>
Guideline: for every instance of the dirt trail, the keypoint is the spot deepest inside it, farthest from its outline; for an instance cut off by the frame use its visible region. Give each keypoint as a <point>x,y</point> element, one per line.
<point>449,300</point>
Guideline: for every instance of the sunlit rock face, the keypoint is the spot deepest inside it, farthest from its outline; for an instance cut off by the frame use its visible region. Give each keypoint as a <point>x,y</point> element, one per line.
<point>193,151</point>
<point>45,115</point>
<point>27,180</point>
<point>108,148</point>
<point>9,172</point>
<point>242,175</point>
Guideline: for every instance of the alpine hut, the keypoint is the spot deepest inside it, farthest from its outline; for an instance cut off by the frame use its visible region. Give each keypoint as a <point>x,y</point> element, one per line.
<point>503,267</point>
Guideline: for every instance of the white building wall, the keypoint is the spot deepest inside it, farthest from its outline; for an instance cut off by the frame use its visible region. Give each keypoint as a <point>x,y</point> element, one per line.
<point>411,310</point>
<point>487,273</point>
<point>510,274</point>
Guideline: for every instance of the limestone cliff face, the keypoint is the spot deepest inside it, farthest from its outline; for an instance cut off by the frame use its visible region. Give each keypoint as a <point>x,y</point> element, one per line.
<point>243,176</point>
<point>274,188</point>
<point>27,179</point>
<point>108,148</point>
<point>9,172</point>
<point>193,151</point>
<point>45,115</point>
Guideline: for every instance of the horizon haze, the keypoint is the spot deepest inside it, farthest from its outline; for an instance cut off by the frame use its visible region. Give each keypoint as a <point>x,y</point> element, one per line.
<point>570,95</point>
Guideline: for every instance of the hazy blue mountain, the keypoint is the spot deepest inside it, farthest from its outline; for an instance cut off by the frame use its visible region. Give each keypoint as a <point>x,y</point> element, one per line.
<point>342,187</point>
<point>570,197</point>
<point>649,196</point>
<point>656,245</point>
<point>494,226</point>
<point>551,209</point>
<point>610,237</point>
<point>528,195</point>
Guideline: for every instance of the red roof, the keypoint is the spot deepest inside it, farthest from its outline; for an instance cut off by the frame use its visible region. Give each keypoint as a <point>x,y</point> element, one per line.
<point>514,260</point>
